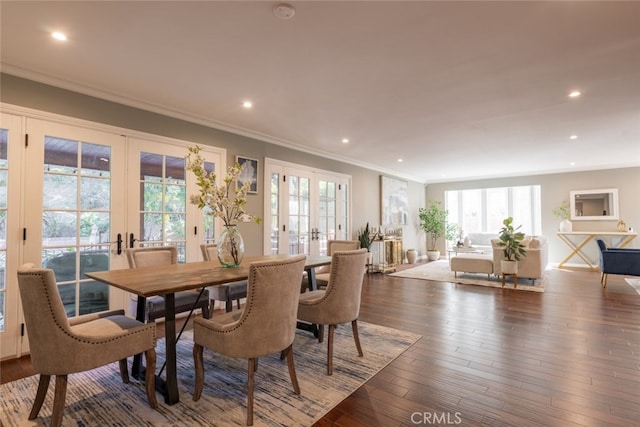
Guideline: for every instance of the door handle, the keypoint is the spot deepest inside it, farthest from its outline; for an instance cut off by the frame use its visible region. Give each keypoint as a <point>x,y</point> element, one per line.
<point>131,240</point>
<point>119,244</point>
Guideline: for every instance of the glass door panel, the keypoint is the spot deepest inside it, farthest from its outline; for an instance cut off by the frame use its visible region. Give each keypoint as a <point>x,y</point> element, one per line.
<point>161,213</point>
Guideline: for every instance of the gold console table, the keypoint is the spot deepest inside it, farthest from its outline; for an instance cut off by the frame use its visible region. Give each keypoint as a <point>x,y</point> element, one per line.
<point>623,239</point>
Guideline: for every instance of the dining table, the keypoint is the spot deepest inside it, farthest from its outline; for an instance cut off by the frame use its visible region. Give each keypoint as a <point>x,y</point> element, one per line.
<point>168,279</point>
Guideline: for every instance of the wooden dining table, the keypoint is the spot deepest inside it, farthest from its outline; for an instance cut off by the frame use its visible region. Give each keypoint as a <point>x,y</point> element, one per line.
<point>168,279</point>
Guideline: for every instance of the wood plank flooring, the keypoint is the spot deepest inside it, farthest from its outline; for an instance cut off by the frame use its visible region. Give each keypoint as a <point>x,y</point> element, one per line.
<point>567,357</point>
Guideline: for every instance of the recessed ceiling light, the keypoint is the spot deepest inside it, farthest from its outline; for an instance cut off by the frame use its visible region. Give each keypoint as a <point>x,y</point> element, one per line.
<point>59,36</point>
<point>247,104</point>
<point>575,94</point>
<point>284,11</point>
<point>345,140</point>
<point>573,137</point>
<point>572,164</point>
<point>400,160</point>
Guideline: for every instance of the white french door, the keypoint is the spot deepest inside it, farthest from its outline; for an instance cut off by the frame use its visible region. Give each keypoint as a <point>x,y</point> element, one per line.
<point>158,198</point>
<point>10,236</point>
<point>79,196</point>
<point>304,208</point>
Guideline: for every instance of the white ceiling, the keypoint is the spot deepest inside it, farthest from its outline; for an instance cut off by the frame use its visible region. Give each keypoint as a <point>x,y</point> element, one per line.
<point>459,90</point>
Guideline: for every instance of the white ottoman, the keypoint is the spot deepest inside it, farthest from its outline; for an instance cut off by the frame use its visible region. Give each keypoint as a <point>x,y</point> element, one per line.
<point>472,264</point>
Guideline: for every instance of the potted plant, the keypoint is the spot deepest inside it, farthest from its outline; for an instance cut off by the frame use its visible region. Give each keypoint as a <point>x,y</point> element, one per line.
<point>433,221</point>
<point>364,237</point>
<point>562,213</point>
<point>512,247</point>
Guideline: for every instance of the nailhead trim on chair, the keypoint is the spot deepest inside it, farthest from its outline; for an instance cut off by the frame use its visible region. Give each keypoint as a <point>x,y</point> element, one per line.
<point>62,328</point>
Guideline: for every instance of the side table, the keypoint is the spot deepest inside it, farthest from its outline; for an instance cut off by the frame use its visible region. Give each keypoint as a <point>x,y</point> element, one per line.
<point>514,276</point>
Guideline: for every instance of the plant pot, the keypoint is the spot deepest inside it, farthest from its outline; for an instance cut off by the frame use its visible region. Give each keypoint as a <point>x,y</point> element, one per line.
<point>509,267</point>
<point>412,255</point>
<point>433,255</point>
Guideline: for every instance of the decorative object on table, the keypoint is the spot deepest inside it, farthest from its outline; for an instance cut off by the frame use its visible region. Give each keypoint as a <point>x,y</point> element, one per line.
<point>219,202</point>
<point>562,212</point>
<point>433,221</point>
<point>622,226</point>
<point>512,247</point>
<point>394,201</point>
<point>248,173</point>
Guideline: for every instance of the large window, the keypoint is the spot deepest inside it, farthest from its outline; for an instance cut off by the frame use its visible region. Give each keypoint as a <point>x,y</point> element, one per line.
<point>482,210</point>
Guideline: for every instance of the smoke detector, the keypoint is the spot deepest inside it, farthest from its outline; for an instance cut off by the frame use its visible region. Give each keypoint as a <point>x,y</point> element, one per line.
<point>284,11</point>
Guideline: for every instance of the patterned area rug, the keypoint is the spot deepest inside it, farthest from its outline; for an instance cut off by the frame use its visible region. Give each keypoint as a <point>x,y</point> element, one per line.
<point>440,271</point>
<point>99,398</point>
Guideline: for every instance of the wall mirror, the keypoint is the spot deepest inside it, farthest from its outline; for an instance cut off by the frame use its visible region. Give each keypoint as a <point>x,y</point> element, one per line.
<point>594,205</point>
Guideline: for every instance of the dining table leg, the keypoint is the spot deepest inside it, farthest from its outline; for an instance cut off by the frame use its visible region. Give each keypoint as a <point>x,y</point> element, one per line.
<point>169,387</point>
<point>137,370</point>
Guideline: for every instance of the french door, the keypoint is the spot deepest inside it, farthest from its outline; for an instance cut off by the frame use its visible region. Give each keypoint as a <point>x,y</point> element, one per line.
<point>80,196</point>
<point>10,243</point>
<point>304,209</point>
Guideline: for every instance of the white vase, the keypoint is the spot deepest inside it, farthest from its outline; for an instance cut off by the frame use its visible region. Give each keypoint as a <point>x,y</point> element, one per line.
<point>566,226</point>
<point>412,255</point>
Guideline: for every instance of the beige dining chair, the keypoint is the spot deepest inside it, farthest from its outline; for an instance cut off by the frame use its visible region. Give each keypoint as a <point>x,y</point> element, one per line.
<point>322,273</point>
<point>185,301</point>
<point>227,292</point>
<point>339,302</point>
<point>267,325</point>
<point>60,346</point>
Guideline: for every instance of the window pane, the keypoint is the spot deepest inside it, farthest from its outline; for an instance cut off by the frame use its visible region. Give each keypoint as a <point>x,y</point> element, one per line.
<point>95,193</point>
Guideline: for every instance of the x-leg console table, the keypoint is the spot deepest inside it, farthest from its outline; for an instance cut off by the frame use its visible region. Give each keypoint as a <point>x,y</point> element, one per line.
<point>581,238</point>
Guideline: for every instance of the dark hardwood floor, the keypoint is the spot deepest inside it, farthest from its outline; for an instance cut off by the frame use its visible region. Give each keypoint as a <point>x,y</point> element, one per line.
<point>567,357</point>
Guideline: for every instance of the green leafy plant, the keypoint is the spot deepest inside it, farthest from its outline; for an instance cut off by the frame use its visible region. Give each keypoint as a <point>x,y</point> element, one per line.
<point>511,241</point>
<point>364,237</point>
<point>433,221</point>
<point>562,211</point>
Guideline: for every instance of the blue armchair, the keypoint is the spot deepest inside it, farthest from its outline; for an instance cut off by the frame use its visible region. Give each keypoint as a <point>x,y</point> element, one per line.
<point>617,261</point>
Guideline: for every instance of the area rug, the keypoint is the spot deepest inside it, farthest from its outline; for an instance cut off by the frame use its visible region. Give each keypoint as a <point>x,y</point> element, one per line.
<point>99,398</point>
<point>440,271</point>
<point>634,283</point>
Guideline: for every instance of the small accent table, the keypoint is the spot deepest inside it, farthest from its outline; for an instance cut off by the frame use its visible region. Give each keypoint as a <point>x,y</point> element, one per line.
<point>624,238</point>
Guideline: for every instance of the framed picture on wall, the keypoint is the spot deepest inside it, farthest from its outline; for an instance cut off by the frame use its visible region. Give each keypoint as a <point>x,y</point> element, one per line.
<point>394,201</point>
<point>249,173</point>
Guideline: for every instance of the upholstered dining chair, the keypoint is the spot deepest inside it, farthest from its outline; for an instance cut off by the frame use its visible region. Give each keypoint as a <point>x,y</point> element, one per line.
<point>339,302</point>
<point>267,324</point>
<point>61,346</point>
<point>227,292</point>
<point>323,273</point>
<point>184,301</point>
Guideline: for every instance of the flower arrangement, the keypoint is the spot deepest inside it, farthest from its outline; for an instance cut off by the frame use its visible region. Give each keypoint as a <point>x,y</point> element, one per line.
<point>218,199</point>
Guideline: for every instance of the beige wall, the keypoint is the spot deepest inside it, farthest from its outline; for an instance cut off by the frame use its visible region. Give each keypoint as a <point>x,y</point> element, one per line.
<point>555,188</point>
<point>365,182</point>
